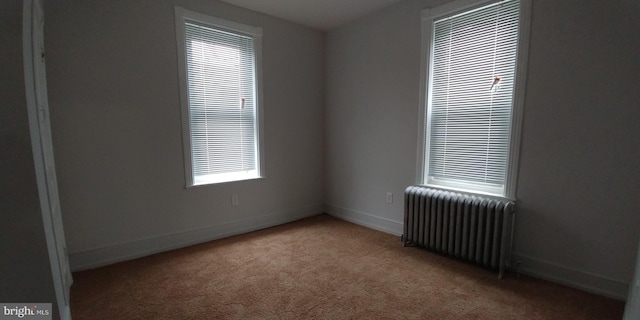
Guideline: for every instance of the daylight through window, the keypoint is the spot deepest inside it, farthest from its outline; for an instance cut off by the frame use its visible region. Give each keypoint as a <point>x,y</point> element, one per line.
<point>222,101</point>
<point>470,97</point>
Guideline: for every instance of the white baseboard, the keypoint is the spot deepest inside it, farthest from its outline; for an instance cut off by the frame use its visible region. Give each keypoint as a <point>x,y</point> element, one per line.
<point>139,248</point>
<point>366,219</point>
<point>537,268</point>
<point>570,277</point>
<point>98,257</point>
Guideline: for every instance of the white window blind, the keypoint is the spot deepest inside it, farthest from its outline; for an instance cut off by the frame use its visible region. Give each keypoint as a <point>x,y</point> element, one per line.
<point>471,90</point>
<point>222,104</point>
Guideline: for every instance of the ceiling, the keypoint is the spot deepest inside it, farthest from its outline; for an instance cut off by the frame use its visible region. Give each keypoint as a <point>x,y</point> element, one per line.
<point>318,14</point>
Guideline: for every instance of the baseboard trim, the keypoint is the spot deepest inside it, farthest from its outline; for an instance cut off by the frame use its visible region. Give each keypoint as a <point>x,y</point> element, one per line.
<point>534,267</point>
<point>570,277</point>
<point>366,219</point>
<point>103,256</point>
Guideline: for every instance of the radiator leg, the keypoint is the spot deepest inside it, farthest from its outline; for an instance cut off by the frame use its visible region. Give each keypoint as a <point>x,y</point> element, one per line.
<point>405,242</point>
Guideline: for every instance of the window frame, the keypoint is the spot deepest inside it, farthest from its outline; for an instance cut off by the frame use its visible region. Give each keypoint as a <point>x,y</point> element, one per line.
<point>182,16</point>
<point>428,16</point>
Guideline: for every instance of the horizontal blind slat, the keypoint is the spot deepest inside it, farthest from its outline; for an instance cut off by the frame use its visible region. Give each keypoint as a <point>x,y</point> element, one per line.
<point>470,122</point>
<point>220,74</point>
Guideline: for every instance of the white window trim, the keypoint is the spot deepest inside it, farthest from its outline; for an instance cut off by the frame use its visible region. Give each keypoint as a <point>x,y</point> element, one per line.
<point>181,16</point>
<point>427,17</point>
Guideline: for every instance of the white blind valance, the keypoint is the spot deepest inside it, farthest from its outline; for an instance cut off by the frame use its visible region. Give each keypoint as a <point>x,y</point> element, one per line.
<point>471,96</point>
<point>222,103</point>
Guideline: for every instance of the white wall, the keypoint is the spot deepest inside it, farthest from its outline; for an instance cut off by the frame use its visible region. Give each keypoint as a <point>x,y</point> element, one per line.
<point>577,219</point>
<point>371,111</point>
<point>579,171</point>
<point>25,270</point>
<point>114,97</point>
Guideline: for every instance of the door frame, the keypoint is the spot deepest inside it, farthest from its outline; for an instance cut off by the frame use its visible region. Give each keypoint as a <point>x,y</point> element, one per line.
<point>37,109</point>
<point>632,308</point>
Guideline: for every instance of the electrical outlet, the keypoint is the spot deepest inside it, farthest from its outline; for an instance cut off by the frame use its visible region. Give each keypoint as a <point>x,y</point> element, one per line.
<point>234,199</point>
<point>389,197</point>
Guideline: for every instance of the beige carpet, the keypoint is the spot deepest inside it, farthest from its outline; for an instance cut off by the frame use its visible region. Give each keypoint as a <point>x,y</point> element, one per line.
<point>319,268</point>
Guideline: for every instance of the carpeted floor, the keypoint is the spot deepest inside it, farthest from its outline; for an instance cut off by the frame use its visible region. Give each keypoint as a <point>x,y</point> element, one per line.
<point>319,268</point>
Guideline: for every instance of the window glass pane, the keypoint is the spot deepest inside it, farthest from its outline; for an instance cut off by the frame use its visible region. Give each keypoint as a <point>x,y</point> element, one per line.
<point>470,107</point>
<point>222,105</point>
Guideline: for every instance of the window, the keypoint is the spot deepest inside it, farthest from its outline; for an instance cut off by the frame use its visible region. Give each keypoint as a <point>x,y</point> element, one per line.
<point>473,72</point>
<point>219,64</point>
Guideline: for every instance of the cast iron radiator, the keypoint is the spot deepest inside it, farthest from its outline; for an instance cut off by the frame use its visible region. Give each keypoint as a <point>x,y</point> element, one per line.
<point>472,228</point>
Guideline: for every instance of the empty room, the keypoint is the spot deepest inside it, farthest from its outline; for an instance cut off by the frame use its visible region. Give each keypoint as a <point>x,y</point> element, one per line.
<point>288,159</point>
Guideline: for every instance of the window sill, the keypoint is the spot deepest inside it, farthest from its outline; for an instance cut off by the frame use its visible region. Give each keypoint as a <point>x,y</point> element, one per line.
<point>469,192</point>
<point>224,179</point>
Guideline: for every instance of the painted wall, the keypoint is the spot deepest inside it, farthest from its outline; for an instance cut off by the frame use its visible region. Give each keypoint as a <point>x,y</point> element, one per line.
<point>114,98</point>
<point>577,220</point>
<point>26,273</point>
